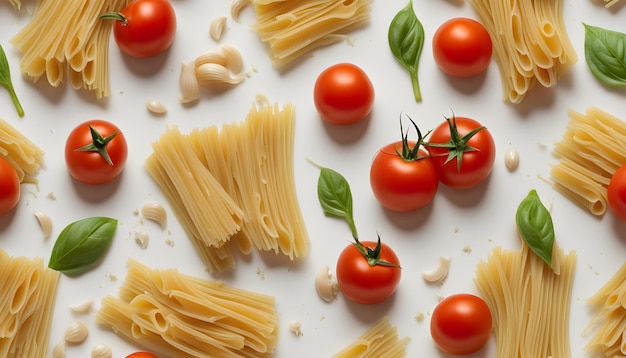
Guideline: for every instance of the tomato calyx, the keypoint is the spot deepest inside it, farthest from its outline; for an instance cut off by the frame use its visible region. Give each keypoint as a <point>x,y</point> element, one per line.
<point>457,145</point>
<point>411,153</point>
<point>98,144</point>
<point>372,255</point>
<point>117,16</point>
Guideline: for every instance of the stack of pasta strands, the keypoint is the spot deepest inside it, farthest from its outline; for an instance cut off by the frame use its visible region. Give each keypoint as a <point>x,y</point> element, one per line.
<point>67,38</point>
<point>530,43</point>
<point>182,316</point>
<point>529,301</point>
<point>591,150</point>
<point>609,304</point>
<point>20,152</point>
<point>380,340</point>
<point>292,29</point>
<point>26,306</point>
<point>234,185</point>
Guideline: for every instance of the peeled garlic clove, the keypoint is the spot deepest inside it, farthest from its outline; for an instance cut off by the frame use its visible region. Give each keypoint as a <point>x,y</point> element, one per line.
<point>216,77</point>
<point>188,83</point>
<point>59,350</point>
<point>76,332</point>
<point>326,288</point>
<point>45,222</point>
<point>217,28</point>
<point>511,159</point>
<point>234,61</point>
<point>155,107</point>
<point>83,307</point>
<point>440,273</point>
<point>156,213</point>
<point>235,8</point>
<point>142,238</point>
<point>101,350</point>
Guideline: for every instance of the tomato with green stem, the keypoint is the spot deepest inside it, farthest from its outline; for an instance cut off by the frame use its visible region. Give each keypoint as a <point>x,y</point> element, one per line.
<point>463,152</point>
<point>402,176</point>
<point>616,193</point>
<point>144,28</point>
<point>96,152</point>
<point>10,189</point>
<point>461,324</point>
<point>462,47</point>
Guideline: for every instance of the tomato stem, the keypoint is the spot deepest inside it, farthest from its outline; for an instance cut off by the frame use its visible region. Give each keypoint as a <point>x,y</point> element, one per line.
<point>410,153</point>
<point>457,145</point>
<point>372,255</point>
<point>98,144</point>
<point>117,16</point>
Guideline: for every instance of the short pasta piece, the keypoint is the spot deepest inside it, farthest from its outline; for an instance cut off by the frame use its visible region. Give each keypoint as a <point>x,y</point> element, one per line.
<point>380,340</point>
<point>24,155</point>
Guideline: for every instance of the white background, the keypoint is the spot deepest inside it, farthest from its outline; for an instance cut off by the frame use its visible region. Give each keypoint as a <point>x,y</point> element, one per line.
<point>480,218</point>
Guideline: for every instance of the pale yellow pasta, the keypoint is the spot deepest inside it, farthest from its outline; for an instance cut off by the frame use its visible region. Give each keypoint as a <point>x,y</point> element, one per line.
<point>21,152</point>
<point>66,38</point>
<point>530,43</point>
<point>592,148</point>
<point>529,301</point>
<point>182,316</point>
<point>292,29</point>
<point>380,340</point>
<point>26,306</point>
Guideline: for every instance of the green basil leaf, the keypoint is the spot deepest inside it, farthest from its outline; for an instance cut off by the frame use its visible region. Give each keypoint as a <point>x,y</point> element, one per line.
<point>605,52</point>
<point>333,192</point>
<point>406,41</point>
<point>81,244</point>
<point>534,223</point>
<point>5,81</point>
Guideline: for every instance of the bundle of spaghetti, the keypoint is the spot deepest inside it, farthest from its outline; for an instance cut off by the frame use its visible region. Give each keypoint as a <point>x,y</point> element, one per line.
<point>26,305</point>
<point>20,152</point>
<point>592,148</point>
<point>530,43</point>
<point>609,3</point>
<point>294,28</point>
<point>609,320</point>
<point>380,340</point>
<point>66,37</point>
<point>177,315</point>
<point>529,301</point>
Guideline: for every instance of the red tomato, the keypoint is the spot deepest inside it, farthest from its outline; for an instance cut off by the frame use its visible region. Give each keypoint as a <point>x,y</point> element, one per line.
<point>141,355</point>
<point>463,152</point>
<point>402,184</point>
<point>616,193</point>
<point>86,151</point>
<point>343,94</point>
<point>144,28</point>
<point>10,188</point>
<point>364,282</point>
<point>461,324</point>
<point>462,47</point>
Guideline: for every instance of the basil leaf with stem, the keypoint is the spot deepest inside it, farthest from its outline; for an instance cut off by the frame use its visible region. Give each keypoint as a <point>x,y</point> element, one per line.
<point>406,41</point>
<point>81,244</point>
<point>333,192</point>
<point>605,53</point>
<point>534,223</point>
<point>5,81</point>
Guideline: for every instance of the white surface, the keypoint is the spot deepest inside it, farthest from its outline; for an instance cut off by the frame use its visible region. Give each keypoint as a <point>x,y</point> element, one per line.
<point>480,218</point>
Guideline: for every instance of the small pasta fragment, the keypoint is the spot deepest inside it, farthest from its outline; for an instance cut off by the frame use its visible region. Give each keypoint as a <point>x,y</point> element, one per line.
<point>142,239</point>
<point>45,222</point>
<point>217,28</point>
<point>156,213</point>
<point>236,7</point>
<point>439,274</point>
<point>17,4</point>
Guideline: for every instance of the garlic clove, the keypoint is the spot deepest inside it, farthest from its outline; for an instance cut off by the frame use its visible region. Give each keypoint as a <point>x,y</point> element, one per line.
<point>325,286</point>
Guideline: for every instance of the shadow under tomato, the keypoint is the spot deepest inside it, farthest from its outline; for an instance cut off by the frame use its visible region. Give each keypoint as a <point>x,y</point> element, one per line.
<point>96,193</point>
<point>148,66</point>
<point>7,218</point>
<point>619,227</point>
<point>469,85</point>
<point>408,221</point>
<point>369,313</point>
<point>465,197</point>
<point>347,134</point>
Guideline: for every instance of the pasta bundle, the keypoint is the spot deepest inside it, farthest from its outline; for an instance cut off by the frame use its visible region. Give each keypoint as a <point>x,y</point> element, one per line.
<point>67,38</point>
<point>530,43</point>
<point>182,316</point>
<point>26,306</point>
<point>21,152</point>
<point>592,148</point>
<point>380,340</point>
<point>292,29</point>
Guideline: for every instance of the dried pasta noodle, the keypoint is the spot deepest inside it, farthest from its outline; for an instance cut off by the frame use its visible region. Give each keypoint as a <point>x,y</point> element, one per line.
<point>530,43</point>
<point>20,152</point>
<point>380,340</point>
<point>252,162</point>
<point>67,38</point>
<point>528,300</point>
<point>183,316</point>
<point>26,306</point>
<point>592,148</point>
<point>292,29</point>
<point>609,3</point>
<point>609,320</point>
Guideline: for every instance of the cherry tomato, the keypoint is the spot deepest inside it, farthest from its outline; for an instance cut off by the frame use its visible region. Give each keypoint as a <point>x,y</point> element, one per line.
<point>86,150</point>
<point>144,28</point>
<point>465,158</point>
<point>10,189</point>
<point>616,193</point>
<point>402,184</point>
<point>142,355</point>
<point>364,282</point>
<point>343,94</point>
<point>461,324</point>
<point>462,47</point>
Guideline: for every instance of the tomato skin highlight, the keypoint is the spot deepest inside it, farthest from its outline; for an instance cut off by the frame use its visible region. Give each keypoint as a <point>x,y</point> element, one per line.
<point>362,283</point>
<point>462,47</point>
<point>10,189</point>
<point>476,165</point>
<point>461,324</point>
<point>90,167</point>
<point>401,185</point>
<point>616,193</point>
<point>150,28</point>
<point>343,94</point>
<point>142,355</point>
